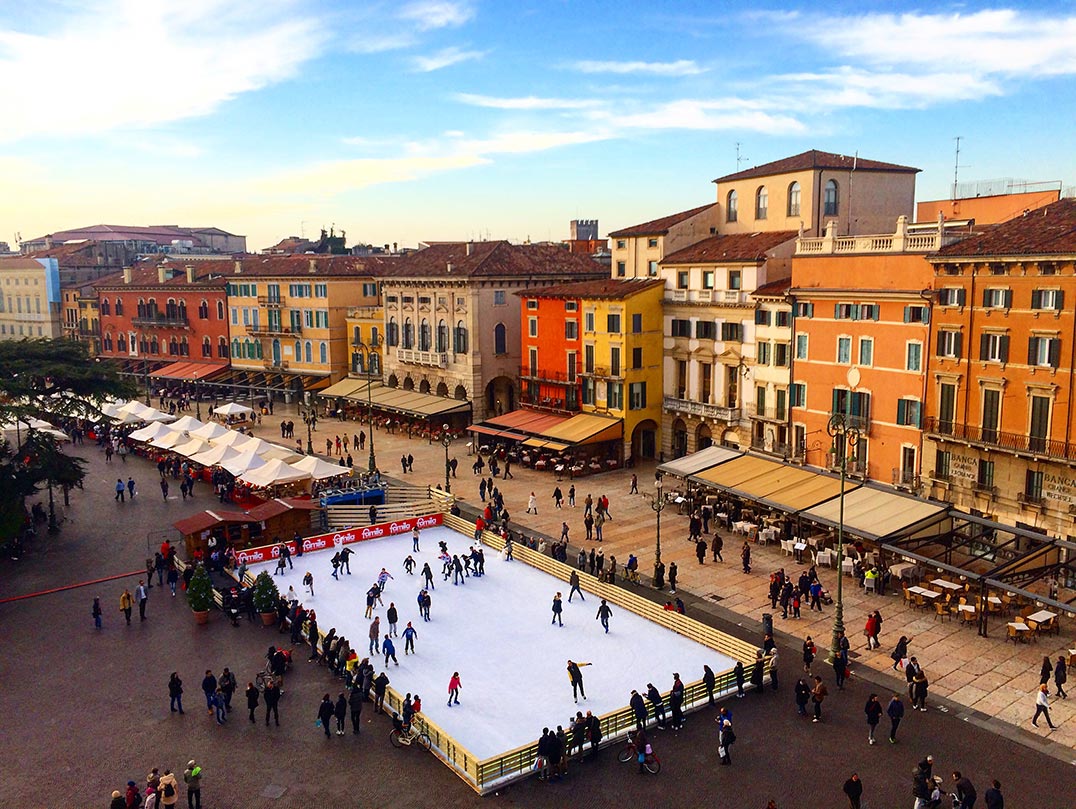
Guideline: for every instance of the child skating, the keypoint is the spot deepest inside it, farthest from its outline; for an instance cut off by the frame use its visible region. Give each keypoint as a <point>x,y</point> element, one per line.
<point>454,686</point>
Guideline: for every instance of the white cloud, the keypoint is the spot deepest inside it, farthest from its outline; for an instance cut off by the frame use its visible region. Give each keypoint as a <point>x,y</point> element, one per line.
<point>681,67</point>
<point>380,43</point>
<point>446,57</point>
<point>428,15</point>
<point>121,64</point>
<point>526,102</point>
<point>708,115</point>
<point>854,87</point>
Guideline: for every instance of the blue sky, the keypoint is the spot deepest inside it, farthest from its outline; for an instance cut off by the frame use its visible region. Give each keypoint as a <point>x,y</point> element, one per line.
<point>441,119</point>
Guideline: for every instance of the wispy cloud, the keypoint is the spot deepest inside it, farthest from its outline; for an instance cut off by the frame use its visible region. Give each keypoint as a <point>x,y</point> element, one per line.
<point>707,115</point>
<point>855,87</point>
<point>681,67</point>
<point>526,102</point>
<point>142,64</point>
<point>428,15</point>
<point>446,57</point>
<point>380,43</point>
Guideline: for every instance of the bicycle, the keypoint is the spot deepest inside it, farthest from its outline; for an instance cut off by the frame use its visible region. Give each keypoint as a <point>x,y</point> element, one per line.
<point>405,738</point>
<point>631,753</point>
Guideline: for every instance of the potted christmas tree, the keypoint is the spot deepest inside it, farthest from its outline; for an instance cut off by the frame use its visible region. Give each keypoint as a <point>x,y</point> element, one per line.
<point>200,594</point>
<point>266,597</point>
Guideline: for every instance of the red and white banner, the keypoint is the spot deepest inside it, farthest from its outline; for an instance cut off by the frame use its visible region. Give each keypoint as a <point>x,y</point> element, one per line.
<point>338,539</point>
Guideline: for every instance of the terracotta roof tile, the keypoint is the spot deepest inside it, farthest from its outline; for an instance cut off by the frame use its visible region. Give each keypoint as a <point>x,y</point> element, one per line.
<point>773,289</point>
<point>736,247</point>
<point>815,159</point>
<point>1050,230</point>
<point>659,227</point>
<point>493,259</point>
<point>600,288</point>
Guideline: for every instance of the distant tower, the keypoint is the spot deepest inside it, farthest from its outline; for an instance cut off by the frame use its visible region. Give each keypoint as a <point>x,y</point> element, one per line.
<point>584,230</point>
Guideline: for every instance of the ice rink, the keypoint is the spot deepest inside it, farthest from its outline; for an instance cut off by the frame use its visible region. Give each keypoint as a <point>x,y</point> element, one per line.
<point>495,631</point>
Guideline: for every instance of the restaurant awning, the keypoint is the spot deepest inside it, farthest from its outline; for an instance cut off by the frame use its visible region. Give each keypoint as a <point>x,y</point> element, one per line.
<point>396,400</point>
<point>526,421</point>
<point>874,513</point>
<point>586,428</point>
<point>538,443</point>
<point>772,483</point>
<point>190,370</point>
<point>734,472</point>
<point>345,388</point>
<point>698,461</point>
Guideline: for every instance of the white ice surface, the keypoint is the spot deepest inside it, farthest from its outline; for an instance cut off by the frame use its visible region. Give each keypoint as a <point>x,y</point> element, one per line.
<point>495,631</point>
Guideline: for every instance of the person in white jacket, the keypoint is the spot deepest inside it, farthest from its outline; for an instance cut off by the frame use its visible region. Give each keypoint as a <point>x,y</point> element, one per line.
<point>1042,707</point>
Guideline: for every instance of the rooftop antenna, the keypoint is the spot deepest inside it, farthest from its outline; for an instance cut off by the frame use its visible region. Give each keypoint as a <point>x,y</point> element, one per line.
<point>956,164</point>
<point>302,229</point>
<point>739,157</point>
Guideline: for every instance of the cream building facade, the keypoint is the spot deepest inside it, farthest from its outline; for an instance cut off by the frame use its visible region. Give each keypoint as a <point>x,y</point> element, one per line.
<point>30,304</point>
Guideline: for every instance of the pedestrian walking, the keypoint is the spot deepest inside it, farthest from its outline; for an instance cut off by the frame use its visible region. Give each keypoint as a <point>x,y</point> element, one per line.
<point>1042,707</point>
<point>325,714</point>
<point>818,695</point>
<point>575,677</point>
<point>558,609</point>
<point>354,702</point>
<point>272,701</point>
<point>716,545</point>
<point>634,489</point>
<point>192,777</point>
<point>873,710</point>
<point>1061,676</point>
<point>175,693</point>
<point>454,686</point>
<point>802,693</point>
<point>853,788</point>
<point>168,789</point>
<point>993,797</point>
<point>120,490</point>
<point>340,714</point>
<point>131,487</point>
<point>126,605</point>
<point>252,699</point>
<point>558,498</point>
<point>809,652</point>
<point>700,551</point>
<point>209,688</point>
<point>573,581</point>
<point>571,495</point>
<point>1046,671</point>
<point>745,557</point>
<point>532,504</point>
<point>164,490</point>
<point>726,738</point>
<point>895,711</point>
<point>899,655</point>
<point>141,596</point>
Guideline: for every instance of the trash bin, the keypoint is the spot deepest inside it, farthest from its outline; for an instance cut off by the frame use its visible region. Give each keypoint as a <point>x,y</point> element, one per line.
<point>767,624</point>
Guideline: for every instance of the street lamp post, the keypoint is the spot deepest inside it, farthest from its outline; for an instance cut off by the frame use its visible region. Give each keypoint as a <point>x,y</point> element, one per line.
<point>198,399</point>
<point>658,501</point>
<point>368,349</point>
<point>309,419</point>
<point>446,441</point>
<point>845,439</point>
<point>145,374</point>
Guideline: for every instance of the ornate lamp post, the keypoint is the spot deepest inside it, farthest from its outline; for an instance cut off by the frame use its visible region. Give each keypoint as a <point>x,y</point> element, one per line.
<point>369,348</point>
<point>658,501</point>
<point>198,399</point>
<point>145,374</point>
<point>446,441</point>
<point>845,439</point>
<point>308,417</point>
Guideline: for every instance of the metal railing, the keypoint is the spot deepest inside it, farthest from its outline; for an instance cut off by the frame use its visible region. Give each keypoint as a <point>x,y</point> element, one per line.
<point>433,359</point>
<point>858,421</point>
<point>270,300</point>
<point>704,409</point>
<point>987,436</point>
<point>545,375</point>
<point>177,321</point>
<point>271,330</point>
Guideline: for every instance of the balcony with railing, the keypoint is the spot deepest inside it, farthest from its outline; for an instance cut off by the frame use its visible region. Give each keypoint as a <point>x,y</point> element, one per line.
<point>731,297</point>
<point>771,447</point>
<point>430,359</point>
<point>548,376</point>
<point>768,413</point>
<point>276,330</point>
<point>999,439</point>
<point>270,300</point>
<point>857,421</point>
<point>856,466</point>
<point>709,411</point>
<point>905,479</point>
<point>908,238</point>
<point>604,372</point>
<point>279,365</point>
<point>553,404</point>
<point>157,319</point>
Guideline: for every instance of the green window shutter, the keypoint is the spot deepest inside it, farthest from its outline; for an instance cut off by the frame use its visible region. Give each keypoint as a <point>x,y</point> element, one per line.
<point>1005,348</point>
<point>1055,353</point>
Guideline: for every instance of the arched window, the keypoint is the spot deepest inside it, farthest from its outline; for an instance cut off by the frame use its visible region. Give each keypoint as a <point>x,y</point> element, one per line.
<point>442,336</point>
<point>184,348</point>
<point>182,309</point>
<point>323,353</point>
<point>220,310</point>
<point>424,338</point>
<point>151,307</point>
<point>141,307</point>
<point>171,310</point>
<point>237,349</point>
<point>203,310</point>
<point>298,351</point>
<point>309,354</point>
<point>459,342</point>
<point>392,332</point>
<point>173,347</point>
<point>500,339</point>
<point>408,334</point>
<point>762,202</point>
<point>222,348</point>
<point>375,364</point>
<point>831,202</point>
<point>154,346</point>
<point>794,199</point>
<point>105,309</point>
<point>121,342</point>
<point>119,307</point>
<point>107,342</point>
<point>207,347</point>
<point>730,207</point>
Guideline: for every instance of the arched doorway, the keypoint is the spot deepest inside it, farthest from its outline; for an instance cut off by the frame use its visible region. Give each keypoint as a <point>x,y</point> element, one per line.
<point>392,381</point>
<point>424,386</point>
<point>679,438</point>
<point>644,440</point>
<point>408,383</point>
<point>442,389</point>
<point>730,439</point>
<point>703,437</point>
<point>460,393</point>
<point>500,396</point>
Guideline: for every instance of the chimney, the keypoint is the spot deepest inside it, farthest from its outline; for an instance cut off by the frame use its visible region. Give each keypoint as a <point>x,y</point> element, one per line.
<point>190,274</point>
<point>394,247</point>
<point>162,274</point>
<point>313,265</point>
<point>238,266</point>
<point>126,275</point>
<point>470,248</point>
<point>448,267</point>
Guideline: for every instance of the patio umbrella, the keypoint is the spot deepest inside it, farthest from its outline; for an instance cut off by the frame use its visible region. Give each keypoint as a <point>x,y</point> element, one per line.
<point>232,409</point>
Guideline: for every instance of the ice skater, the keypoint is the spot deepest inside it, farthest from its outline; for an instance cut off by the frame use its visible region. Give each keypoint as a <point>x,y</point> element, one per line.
<point>424,605</point>
<point>393,617</point>
<point>457,571</point>
<point>454,686</point>
<point>375,636</point>
<point>574,582</point>
<point>345,560</point>
<point>446,566</point>
<point>604,613</point>
<point>382,580</point>
<point>409,635</point>
<point>389,648</point>
<point>427,574</point>
<point>336,566</point>
<point>575,676</point>
<point>371,600</point>
<point>308,583</point>
<point>409,565</point>
<point>414,540</point>
<point>558,609</point>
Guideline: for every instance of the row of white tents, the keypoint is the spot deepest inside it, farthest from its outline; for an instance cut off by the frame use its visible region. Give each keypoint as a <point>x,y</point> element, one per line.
<point>254,461</point>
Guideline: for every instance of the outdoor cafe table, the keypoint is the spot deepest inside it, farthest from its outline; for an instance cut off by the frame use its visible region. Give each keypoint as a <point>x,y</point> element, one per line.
<point>744,527</point>
<point>923,591</point>
<point>902,569</point>
<point>1017,627</point>
<point>947,585</point>
<point>799,548</point>
<point>1039,618</point>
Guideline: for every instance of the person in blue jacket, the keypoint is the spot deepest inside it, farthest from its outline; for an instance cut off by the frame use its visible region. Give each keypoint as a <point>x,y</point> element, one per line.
<point>389,649</point>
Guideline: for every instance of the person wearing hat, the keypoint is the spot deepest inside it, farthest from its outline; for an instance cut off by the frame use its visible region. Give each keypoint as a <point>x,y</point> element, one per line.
<point>169,791</point>
<point>192,777</point>
<point>131,797</point>
<point>117,800</point>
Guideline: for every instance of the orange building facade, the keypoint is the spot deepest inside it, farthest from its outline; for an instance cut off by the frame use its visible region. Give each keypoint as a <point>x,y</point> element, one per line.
<point>999,421</point>
<point>862,309</point>
<point>551,357</point>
